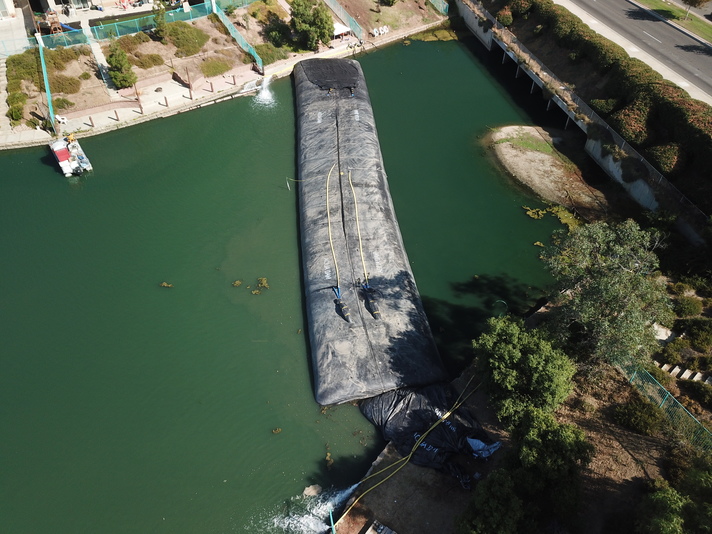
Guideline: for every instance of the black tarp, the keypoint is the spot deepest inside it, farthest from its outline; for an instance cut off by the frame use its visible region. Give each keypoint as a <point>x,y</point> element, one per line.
<point>405,415</point>
<point>349,232</point>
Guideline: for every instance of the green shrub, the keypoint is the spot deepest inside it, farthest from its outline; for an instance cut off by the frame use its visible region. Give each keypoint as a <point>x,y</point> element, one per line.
<point>504,16</point>
<point>679,288</point>
<point>62,103</point>
<point>58,58</point>
<point>277,31</point>
<point>14,86</point>
<point>567,27</point>
<point>687,306</point>
<point>16,99</point>
<point>229,9</point>
<point>14,113</point>
<point>700,392</point>
<point>186,38</point>
<point>603,53</point>
<point>639,415</point>
<point>698,331</point>
<point>217,23</point>
<point>631,122</point>
<point>146,61</point>
<point>604,107</point>
<point>520,7</point>
<point>701,284</point>
<point>666,158</point>
<point>59,83</point>
<point>631,75</point>
<point>25,66</point>
<point>270,53</point>
<point>84,76</point>
<point>545,8</point>
<point>130,43</point>
<point>215,67</point>
<point>676,351</point>
<point>661,376</point>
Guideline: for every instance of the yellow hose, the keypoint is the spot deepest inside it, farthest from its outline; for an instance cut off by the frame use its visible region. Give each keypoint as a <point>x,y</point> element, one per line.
<point>403,461</point>
<point>358,230</point>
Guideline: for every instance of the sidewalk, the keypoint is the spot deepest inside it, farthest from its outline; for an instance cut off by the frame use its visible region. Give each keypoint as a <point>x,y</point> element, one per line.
<point>171,97</point>
<point>633,51</point>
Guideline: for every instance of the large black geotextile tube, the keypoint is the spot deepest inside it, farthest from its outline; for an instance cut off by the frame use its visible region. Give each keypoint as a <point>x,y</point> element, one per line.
<point>375,338</point>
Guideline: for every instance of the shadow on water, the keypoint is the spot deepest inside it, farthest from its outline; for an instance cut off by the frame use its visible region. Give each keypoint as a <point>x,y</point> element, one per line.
<point>456,325</point>
<point>49,160</point>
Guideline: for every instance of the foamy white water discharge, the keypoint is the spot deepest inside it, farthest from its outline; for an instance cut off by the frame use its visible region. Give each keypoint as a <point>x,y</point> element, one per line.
<point>303,514</point>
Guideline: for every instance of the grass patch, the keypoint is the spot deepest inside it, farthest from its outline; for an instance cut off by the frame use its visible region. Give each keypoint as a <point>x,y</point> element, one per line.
<point>528,141</point>
<point>188,39</point>
<point>261,11</point>
<point>270,53</point>
<point>59,83</point>
<point>677,14</point>
<point>146,61</point>
<point>62,103</point>
<point>215,67</point>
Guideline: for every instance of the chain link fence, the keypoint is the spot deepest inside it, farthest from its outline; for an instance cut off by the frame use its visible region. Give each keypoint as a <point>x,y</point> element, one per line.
<point>681,420</point>
<point>241,41</point>
<point>441,5</point>
<point>340,12</point>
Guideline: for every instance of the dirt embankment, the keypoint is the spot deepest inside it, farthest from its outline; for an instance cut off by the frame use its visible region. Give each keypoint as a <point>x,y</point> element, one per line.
<point>537,158</point>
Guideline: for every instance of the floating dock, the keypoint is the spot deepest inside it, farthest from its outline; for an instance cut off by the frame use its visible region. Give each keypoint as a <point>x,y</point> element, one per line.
<point>367,328</point>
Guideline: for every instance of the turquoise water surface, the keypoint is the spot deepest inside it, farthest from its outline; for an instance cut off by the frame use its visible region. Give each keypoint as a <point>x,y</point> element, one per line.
<point>128,407</point>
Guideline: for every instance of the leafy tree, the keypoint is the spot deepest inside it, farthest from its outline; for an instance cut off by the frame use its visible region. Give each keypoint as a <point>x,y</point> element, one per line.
<point>609,294</point>
<point>524,369</point>
<point>693,3</point>
<point>551,456</point>
<point>119,67</point>
<point>159,19</point>
<point>538,480</point>
<point>312,23</point>
<point>660,512</point>
<point>496,507</point>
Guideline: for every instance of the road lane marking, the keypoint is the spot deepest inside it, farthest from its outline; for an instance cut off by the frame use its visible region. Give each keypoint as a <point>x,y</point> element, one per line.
<point>658,40</point>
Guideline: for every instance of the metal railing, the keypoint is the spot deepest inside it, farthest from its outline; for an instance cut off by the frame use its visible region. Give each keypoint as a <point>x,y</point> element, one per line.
<point>340,12</point>
<point>224,4</point>
<point>142,24</point>
<point>241,41</point>
<point>70,38</point>
<point>681,420</point>
<point>528,59</point>
<point>441,5</point>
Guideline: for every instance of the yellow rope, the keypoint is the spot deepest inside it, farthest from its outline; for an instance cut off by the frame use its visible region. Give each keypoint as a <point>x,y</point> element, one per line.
<point>403,461</point>
<point>328,218</point>
<point>358,229</point>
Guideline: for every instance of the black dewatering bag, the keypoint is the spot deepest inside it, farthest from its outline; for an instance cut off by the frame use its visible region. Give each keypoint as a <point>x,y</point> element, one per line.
<point>403,416</point>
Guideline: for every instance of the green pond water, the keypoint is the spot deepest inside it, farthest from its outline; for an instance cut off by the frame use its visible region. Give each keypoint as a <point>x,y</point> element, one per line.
<point>128,407</point>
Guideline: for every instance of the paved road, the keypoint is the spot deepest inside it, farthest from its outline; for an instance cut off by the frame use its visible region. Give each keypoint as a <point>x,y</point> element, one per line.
<point>684,55</point>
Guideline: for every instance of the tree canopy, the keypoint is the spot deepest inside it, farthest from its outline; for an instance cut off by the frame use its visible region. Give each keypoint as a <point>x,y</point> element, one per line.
<point>312,23</point>
<point>609,293</point>
<point>524,369</point>
<point>693,3</point>
<point>119,67</point>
